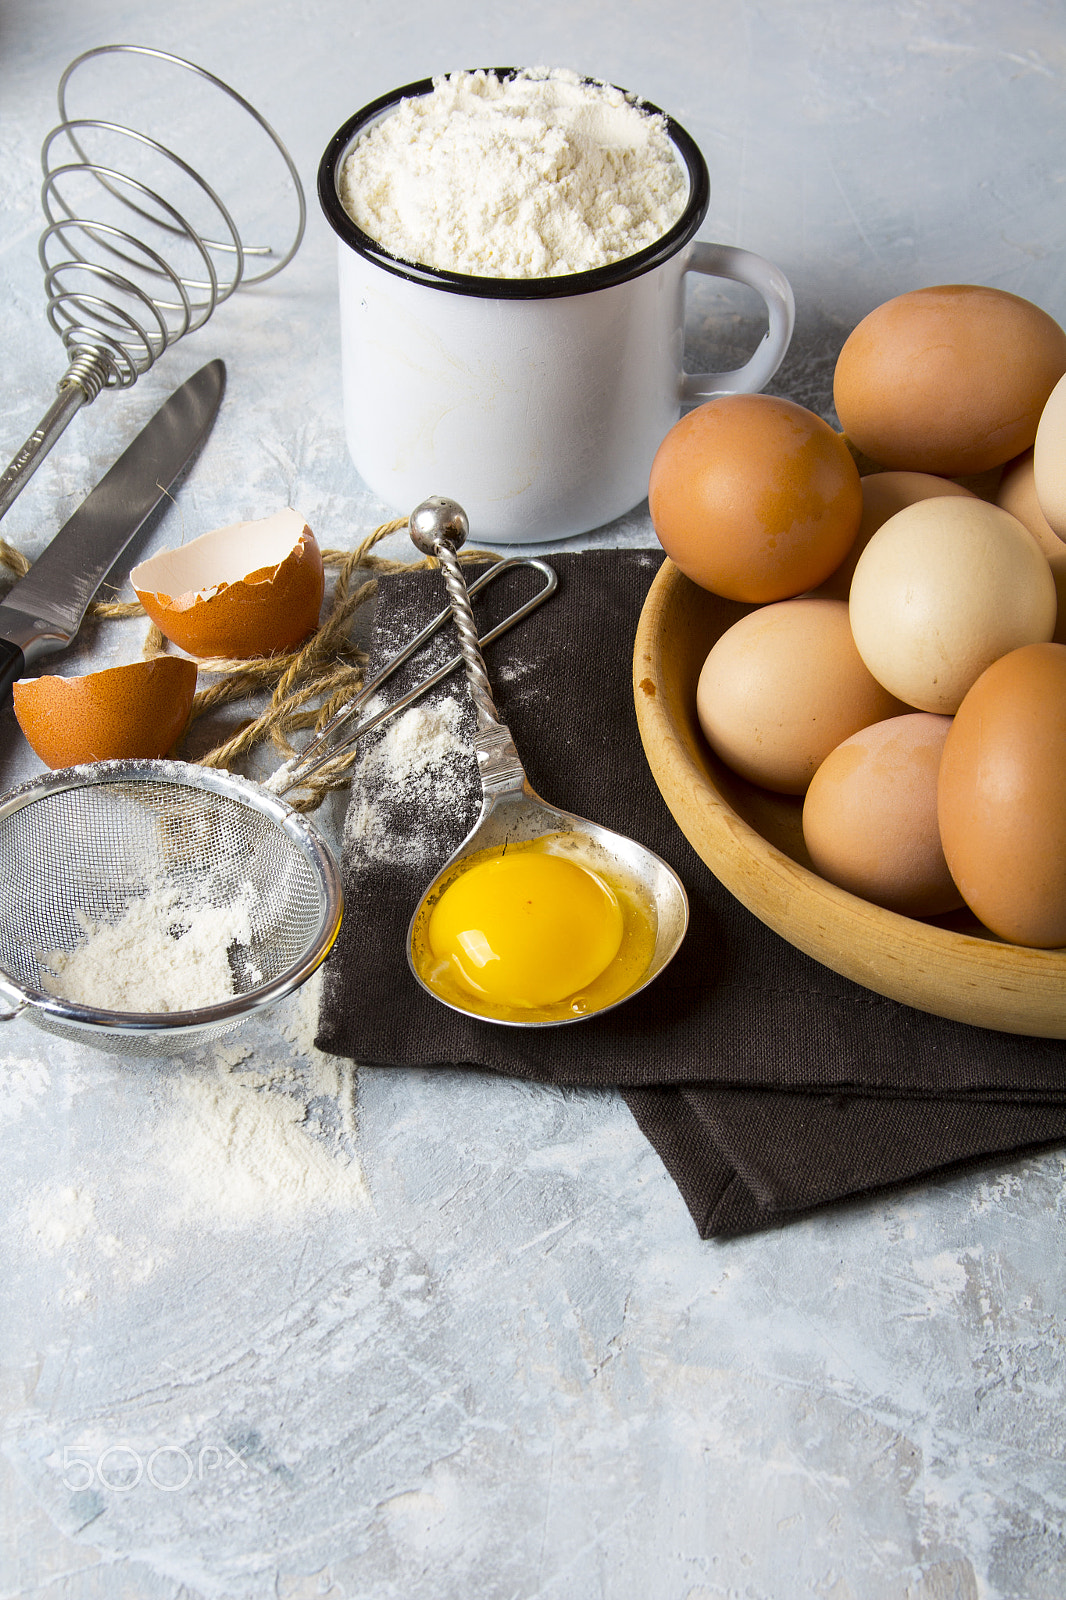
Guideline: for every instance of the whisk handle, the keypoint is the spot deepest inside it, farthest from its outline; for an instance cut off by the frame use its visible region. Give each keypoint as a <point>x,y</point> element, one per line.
<point>72,395</point>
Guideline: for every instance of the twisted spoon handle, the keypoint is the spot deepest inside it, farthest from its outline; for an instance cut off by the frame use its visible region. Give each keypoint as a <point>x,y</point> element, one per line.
<point>439,528</point>
<point>469,644</point>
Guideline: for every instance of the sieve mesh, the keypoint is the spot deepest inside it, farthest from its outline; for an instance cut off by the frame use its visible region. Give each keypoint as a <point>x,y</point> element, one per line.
<point>83,844</point>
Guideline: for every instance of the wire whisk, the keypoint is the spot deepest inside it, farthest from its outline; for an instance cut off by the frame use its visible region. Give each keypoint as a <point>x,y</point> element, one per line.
<point>139,247</point>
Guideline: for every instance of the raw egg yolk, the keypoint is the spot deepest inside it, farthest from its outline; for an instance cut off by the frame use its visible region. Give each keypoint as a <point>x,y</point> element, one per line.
<point>526,929</point>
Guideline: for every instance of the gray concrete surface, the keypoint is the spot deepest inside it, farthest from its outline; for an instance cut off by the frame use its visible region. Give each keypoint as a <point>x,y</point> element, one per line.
<point>473,1346</point>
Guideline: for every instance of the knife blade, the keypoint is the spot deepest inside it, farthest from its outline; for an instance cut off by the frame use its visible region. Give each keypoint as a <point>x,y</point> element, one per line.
<point>44,610</point>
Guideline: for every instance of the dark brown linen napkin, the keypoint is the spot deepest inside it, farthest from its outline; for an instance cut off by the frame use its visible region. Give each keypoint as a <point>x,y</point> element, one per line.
<point>767,1083</point>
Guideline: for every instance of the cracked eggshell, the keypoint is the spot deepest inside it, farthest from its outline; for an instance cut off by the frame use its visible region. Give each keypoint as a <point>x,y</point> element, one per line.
<point>251,589</point>
<point>136,711</point>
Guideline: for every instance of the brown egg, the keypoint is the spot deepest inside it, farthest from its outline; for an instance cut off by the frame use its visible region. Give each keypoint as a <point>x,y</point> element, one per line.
<point>1017,494</point>
<point>949,380</point>
<point>251,589</point>
<point>870,816</point>
<point>139,710</point>
<point>782,687</point>
<point>754,498</point>
<point>1002,797</point>
<point>943,588</point>
<point>883,494</point>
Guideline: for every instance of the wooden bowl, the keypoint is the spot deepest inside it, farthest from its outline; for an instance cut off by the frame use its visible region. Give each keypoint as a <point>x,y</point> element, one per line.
<point>752,840</point>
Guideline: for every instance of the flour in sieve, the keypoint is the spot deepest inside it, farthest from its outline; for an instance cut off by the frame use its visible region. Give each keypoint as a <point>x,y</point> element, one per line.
<point>533,176</point>
<point>168,951</point>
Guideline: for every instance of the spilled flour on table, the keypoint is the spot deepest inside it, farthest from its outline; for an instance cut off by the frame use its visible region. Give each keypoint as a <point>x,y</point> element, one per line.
<point>420,765</point>
<point>23,1084</point>
<point>58,1219</point>
<point>248,1138</point>
<point>228,1140</point>
<point>64,1221</point>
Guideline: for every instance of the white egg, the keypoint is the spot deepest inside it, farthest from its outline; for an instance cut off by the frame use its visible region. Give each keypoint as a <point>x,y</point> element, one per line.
<point>944,588</point>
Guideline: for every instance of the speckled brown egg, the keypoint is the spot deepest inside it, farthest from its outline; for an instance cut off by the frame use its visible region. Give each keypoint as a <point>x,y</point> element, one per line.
<point>1002,797</point>
<point>251,589</point>
<point>782,687</point>
<point>870,816</point>
<point>135,711</point>
<point>950,379</point>
<point>754,498</point>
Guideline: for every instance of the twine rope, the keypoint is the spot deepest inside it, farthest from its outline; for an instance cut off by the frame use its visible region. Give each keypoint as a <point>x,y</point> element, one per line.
<point>307,686</point>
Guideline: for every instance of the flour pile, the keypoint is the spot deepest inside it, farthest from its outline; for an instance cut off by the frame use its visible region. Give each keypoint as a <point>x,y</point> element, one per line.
<point>244,1137</point>
<point>422,756</point>
<point>168,951</point>
<point>533,176</point>
<point>251,1137</point>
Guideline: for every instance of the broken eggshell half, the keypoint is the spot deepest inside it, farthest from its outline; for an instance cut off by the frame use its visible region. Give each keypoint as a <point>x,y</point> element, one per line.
<point>135,711</point>
<point>252,589</point>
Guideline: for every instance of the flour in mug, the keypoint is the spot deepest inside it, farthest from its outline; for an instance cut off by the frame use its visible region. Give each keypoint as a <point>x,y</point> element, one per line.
<point>532,176</point>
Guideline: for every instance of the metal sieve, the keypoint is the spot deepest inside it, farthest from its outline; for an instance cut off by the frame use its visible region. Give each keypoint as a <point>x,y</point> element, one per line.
<point>84,843</point>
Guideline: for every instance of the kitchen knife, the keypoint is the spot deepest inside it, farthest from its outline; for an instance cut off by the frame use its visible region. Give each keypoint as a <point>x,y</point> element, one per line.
<point>44,610</point>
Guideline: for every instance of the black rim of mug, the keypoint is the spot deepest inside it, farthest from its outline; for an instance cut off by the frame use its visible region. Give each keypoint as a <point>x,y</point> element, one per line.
<point>573,283</point>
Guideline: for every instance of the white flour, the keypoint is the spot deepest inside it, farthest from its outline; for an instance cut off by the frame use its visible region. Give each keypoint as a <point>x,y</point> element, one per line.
<point>255,1139</point>
<point>421,758</point>
<point>233,1140</point>
<point>240,1139</point>
<point>167,952</point>
<point>529,177</point>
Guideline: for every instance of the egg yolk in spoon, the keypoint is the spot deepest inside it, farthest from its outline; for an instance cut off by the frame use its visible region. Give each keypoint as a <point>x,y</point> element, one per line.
<point>526,929</point>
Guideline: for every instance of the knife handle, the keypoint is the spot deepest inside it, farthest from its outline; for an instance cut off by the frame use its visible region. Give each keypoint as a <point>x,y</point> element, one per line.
<point>12,666</point>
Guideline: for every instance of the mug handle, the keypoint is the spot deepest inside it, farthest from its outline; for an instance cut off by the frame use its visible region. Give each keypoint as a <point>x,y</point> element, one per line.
<point>743,266</point>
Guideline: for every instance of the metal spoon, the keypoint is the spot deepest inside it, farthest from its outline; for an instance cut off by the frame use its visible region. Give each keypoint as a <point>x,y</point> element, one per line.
<point>511,811</point>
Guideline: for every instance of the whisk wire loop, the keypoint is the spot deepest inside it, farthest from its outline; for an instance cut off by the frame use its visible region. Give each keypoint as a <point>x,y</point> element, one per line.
<point>136,254</point>
<point>237,98</point>
<point>116,299</point>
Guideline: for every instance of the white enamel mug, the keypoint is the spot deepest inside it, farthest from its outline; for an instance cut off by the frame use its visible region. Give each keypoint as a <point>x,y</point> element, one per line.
<point>537,404</point>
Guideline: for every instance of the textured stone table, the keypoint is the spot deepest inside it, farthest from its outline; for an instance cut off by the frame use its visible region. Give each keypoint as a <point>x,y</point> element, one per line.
<point>462,1339</point>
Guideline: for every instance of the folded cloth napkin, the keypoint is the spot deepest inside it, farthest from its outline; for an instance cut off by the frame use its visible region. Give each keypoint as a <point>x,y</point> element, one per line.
<point>767,1083</point>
